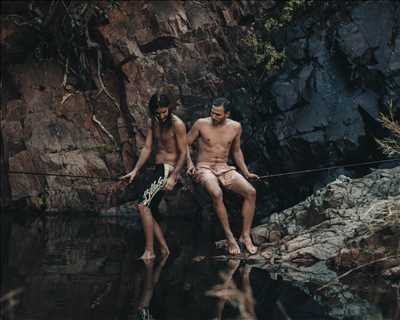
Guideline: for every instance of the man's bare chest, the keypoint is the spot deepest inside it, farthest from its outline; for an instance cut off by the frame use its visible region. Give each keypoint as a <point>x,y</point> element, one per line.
<point>165,136</point>
<point>217,136</point>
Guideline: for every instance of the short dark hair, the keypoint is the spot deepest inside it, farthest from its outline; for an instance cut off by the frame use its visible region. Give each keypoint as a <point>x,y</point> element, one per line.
<point>221,101</point>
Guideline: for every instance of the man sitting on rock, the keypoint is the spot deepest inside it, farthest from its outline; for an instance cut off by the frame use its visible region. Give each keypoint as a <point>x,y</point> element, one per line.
<point>217,135</point>
<point>168,135</point>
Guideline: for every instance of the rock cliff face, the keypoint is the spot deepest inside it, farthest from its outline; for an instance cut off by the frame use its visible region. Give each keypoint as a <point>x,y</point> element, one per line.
<point>348,221</point>
<point>320,109</point>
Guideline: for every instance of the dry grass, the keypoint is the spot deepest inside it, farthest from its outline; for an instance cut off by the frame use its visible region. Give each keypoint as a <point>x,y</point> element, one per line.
<point>391,145</point>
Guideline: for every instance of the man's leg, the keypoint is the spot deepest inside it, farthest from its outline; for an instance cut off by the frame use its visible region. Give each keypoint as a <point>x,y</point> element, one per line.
<point>241,186</point>
<point>148,227</point>
<point>210,183</point>
<point>160,237</point>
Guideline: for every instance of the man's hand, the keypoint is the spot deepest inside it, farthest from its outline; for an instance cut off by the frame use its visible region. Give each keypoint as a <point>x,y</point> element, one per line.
<point>131,176</point>
<point>171,182</point>
<point>252,176</point>
<point>191,170</point>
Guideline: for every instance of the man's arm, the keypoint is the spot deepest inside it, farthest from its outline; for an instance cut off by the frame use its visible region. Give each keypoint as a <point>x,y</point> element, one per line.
<point>238,156</point>
<point>181,140</point>
<point>192,136</point>
<point>144,154</point>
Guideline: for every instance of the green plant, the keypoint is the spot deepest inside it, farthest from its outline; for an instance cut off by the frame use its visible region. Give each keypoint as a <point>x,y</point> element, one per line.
<point>266,54</point>
<point>288,12</point>
<point>264,51</point>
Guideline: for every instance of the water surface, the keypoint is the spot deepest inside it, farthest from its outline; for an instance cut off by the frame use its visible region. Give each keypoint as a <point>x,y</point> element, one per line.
<point>86,268</point>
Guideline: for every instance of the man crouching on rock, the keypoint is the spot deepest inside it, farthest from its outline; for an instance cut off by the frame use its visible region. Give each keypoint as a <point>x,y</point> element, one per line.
<point>168,133</point>
<point>217,135</point>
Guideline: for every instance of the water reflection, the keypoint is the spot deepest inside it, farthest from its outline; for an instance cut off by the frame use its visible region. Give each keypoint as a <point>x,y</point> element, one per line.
<point>70,268</point>
<point>240,296</point>
<point>145,280</point>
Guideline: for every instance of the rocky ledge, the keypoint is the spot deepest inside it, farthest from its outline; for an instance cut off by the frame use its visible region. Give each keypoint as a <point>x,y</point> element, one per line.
<point>349,223</point>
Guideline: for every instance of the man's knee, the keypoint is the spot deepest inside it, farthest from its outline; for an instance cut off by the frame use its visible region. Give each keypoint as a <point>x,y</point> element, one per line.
<point>251,193</point>
<point>216,194</point>
<point>143,209</point>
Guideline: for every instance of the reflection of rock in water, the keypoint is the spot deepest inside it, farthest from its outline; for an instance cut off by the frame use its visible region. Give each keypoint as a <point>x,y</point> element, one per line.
<point>83,268</point>
<point>65,265</point>
<point>339,300</point>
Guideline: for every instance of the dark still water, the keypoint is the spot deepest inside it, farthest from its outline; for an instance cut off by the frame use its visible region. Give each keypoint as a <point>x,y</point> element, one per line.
<point>86,268</point>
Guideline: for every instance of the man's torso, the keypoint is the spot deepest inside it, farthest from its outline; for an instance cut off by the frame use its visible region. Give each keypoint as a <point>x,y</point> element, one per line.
<point>215,141</point>
<point>167,149</point>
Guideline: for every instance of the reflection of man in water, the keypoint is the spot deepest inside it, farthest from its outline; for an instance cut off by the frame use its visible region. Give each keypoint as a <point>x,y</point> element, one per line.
<point>218,136</point>
<point>242,294</point>
<point>145,281</point>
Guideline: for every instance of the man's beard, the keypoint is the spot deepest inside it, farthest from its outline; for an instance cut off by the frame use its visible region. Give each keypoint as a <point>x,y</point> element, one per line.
<point>166,122</point>
<point>217,122</point>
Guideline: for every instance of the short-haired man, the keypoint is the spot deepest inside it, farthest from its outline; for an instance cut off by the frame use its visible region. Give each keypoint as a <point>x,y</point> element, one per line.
<point>167,134</point>
<point>217,136</point>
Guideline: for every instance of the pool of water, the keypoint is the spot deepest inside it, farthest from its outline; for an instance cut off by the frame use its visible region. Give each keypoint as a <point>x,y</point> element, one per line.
<point>86,268</point>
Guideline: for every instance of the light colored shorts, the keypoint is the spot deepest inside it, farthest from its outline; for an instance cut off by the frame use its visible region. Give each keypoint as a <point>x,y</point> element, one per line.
<point>225,174</point>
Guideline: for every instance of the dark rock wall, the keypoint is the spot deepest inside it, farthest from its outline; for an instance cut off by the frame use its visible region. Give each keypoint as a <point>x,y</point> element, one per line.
<point>322,108</point>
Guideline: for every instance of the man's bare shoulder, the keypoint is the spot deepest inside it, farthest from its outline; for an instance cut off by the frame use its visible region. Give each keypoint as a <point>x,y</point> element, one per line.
<point>233,124</point>
<point>202,121</point>
<point>177,121</point>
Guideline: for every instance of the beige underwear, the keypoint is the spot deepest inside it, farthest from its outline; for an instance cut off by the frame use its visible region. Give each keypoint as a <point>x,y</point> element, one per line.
<point>208,171</point>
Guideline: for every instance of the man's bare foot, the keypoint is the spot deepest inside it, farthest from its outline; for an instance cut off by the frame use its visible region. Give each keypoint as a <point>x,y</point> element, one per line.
<point>233,247</point>
<point>251,248</point>
<point>147,255</point>
<point>164,251</point>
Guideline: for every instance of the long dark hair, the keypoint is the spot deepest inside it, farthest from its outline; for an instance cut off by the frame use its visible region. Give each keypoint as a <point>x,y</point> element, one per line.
<point>156,101</point>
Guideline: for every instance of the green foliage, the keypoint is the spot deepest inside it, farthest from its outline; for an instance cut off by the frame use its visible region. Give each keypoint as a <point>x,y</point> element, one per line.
<point>265,52</point>
<point>289,11</point>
